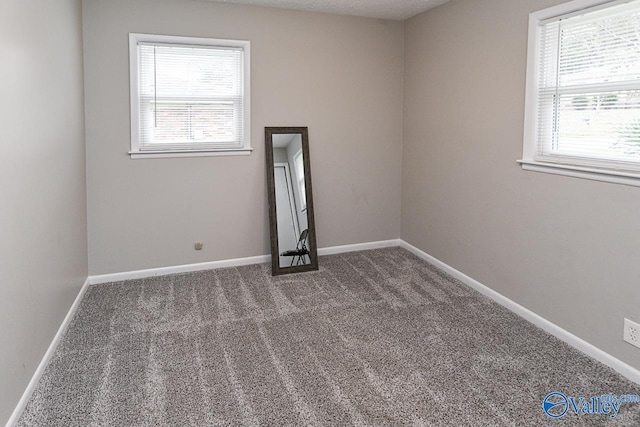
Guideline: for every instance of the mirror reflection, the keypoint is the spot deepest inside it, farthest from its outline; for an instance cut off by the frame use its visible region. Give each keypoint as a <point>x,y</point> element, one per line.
<point>291,201</point>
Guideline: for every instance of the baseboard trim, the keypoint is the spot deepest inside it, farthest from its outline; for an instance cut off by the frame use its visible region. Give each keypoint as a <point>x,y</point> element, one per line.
<point>601,356</point>
<point>359,247</point>
<point>186,268</point>
<point>237,262</point>
<point>35,379</point>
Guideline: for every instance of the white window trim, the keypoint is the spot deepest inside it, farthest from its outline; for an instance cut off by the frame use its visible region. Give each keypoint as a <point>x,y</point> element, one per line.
<point>136,153</point>
<point>530,119</point>
<point>303,197</point>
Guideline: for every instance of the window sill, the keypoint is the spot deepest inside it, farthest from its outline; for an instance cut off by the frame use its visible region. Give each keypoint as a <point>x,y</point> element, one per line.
<point>190,153</point>
<point>616,177</point>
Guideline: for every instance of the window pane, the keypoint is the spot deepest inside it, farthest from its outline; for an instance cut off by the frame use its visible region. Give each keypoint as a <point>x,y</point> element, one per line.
<point>187,123</point>
<point>299,165</point>
<point>602,125</point>
<point>601,47</point>
<point>168,71</point>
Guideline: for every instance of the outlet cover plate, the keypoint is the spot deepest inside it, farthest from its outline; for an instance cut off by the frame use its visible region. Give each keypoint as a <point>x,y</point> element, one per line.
<point>632,332</point>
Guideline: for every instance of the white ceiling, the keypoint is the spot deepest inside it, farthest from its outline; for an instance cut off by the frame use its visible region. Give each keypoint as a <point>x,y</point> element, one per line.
<point>383,9</point>
<point>282,140</point>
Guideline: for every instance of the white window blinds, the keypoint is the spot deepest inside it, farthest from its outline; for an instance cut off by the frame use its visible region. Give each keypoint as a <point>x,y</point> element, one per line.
<point>588,110</point>
<point>189,97</point>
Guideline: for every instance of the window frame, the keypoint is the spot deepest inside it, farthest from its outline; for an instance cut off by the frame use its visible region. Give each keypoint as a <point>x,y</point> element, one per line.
<point>135,151</point>
<point>300,178</point>
<point>592,171</point>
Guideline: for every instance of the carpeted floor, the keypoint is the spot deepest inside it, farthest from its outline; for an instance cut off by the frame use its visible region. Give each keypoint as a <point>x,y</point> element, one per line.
<point>374,338</point>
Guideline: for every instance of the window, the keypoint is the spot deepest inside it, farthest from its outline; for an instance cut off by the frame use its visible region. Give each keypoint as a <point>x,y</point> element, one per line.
<point>189,96</point>
<point>583,91</point>
<point>299,165</point>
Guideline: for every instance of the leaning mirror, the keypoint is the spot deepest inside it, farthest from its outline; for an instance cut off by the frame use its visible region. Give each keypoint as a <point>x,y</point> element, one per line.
<point>291,220</point>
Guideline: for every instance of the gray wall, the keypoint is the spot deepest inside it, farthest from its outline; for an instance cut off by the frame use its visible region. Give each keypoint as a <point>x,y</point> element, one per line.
<point>340,76</point>
<point>563,247</point>
<point>280,155</point>
<point>43,241</point>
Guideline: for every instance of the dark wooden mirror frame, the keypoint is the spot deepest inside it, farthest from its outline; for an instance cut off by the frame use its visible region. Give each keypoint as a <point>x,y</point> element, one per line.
<point>276,270</point>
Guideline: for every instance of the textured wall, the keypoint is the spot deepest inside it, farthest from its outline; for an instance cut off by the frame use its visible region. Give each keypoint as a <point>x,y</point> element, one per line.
<point>43,222</point>
<point>340,76</point>
<point>563,247</point>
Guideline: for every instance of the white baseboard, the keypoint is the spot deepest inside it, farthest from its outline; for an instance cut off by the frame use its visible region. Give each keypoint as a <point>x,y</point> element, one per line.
<point>17,412</point>
<point>359,247</point>
<point>187,268</point>
<point>619,366</point>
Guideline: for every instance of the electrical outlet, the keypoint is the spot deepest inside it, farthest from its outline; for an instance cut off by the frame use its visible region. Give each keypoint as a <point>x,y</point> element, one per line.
<point>198,246</point>
<point>632,332</point>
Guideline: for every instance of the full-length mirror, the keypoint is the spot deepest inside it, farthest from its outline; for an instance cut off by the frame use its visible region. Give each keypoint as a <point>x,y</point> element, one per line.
<point>293,236</point>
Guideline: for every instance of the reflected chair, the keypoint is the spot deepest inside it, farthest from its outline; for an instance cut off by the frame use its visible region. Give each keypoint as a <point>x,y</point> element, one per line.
<point>300,251</point>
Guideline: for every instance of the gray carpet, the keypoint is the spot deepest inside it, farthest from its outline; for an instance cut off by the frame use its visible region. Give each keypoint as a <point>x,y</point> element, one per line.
<point>374,338</point>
